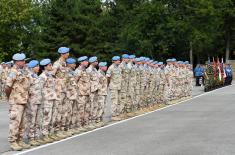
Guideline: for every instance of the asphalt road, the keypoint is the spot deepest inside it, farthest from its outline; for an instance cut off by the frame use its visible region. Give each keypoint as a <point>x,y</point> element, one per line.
<point>204,125</point>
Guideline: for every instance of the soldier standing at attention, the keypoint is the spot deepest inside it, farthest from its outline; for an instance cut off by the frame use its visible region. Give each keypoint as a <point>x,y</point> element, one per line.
<point>34,104</point>
<point>17,88</point>
<point>138,85</point>
<point>60,72</point>
<point>48,101</point>
<point>84,91</point>
<point>71,112</point>
<point>94,84</point>
<point>124,106</point>
<point>131,104</point>
<point>114,76</point>
<point>102,92</point>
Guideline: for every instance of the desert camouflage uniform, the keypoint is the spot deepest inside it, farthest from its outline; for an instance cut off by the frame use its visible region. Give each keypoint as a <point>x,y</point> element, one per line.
<point>3,75</point>
<point>115,75</point>
<point>131,102</point>
<point>18,80</point>
<point>138,86</point>
<point>163,86</point>
<point>72,121</point>
<point>48,102</point>
<point>94,84</point>
<point>124,87</point>
<point>84,91</point>
<point>102,94</point>
<point>34,109</point>
<point>59,110</point>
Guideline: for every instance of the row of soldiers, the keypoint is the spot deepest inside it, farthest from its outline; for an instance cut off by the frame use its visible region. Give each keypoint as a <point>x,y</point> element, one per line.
<point>65,100</point>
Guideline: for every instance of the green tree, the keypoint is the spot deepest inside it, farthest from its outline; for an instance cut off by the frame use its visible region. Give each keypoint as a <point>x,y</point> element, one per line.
<point>17,26</point>
<point>71,23</point>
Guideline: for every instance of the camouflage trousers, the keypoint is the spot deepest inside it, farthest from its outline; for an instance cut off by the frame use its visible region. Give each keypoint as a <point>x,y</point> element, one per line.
<point>34,114</point>
<point>122,100</point>
<point>130,101</point>
<point>48,121</point>
<point>115,106</point>
<point>58,113</point>
<point>17,115</point>
<point>68,113</point>
<point>2,92</point>
<point>137,99</point>
<point>101,107</point>
<point>83,109</point>
<point>94,107</point>
<point>144,96</point>
<point>161,98</point>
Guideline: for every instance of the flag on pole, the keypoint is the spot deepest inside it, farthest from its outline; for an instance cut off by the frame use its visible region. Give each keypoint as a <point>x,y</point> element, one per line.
<point>222,69</point>
<point>214,68</point>
<point>219,70</point>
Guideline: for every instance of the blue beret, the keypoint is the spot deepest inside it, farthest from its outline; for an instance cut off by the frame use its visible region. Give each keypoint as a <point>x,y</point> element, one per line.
<point>33,63</point>
<point>142,58</point>
<point>83,58</point>
<point>146,59</point>
<point>160,63</point>
<point>19,56</point>
<point>115,58</point>
<point>2,63</point>
<point>45,62</point>
<point>8,63</point>
<point>92,59</point>
<point>137,59</point>
<point>63,50</point>
<point>125,56</point>
<point>173,59</point>
<point>70,61</point>
<point>102,64</point>
<point>155,62</point>
<point>150,61</point>
<point>168,60</point>
<point>132,56</point>
<point>186,62</point>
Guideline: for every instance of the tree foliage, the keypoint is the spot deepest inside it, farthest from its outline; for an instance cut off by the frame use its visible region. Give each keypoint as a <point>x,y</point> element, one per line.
<point>156,28</point>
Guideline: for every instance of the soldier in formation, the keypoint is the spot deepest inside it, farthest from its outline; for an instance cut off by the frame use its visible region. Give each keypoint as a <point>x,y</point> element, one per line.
<point>65,100</point>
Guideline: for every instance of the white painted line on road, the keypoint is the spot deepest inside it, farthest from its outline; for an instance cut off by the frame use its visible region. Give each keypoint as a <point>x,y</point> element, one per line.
<point>49,144</point>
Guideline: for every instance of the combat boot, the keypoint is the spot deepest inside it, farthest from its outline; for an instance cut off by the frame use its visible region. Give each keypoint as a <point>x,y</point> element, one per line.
<point>130,114</point>
<point>82,129</point>
<point>53,137</point>
<point>97,125</point>
<point>40,141</point>
<point>115,118</point>
<point>101,124</point>
<point>76,131</point>
<point>69,133</point>
<point>33,142</point>
<point>47,139</point>
<point>141,111</point>
<point>61,135</point>
<point>15,147</point>
<point>91,126</point>
<point>66,134</point>
<point>72,131</point>
<point>24,145</point>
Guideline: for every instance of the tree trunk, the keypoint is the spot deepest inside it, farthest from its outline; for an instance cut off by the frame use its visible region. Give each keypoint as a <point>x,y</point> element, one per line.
<point>227,47</point>
<point>191,53</point>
